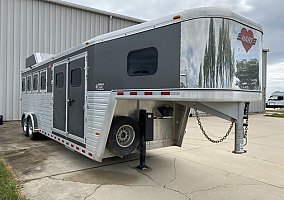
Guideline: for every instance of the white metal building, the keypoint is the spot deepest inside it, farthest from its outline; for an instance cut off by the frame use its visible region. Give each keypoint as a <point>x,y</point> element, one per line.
<point>47,26</point>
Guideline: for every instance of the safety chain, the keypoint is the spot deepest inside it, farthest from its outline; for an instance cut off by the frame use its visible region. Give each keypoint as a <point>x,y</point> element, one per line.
<point>246,117</point>
<point>204,133</point>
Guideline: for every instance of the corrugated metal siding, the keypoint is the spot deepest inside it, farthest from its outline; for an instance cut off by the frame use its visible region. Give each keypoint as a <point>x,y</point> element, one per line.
<point>117,23</point>
<point>29,26</point>
<point>256,107</point>
<point>97,104</point>
<point>41,105</point>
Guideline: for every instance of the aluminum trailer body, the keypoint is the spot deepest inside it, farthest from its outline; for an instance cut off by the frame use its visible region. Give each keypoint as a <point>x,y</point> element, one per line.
<point>103,96</point>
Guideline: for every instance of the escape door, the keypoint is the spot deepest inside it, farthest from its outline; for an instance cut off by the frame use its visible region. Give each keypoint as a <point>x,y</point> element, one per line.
<point>69,98</point>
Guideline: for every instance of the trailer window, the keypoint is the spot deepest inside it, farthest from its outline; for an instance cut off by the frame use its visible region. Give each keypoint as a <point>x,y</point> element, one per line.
<point>59,80</point>
<point>43,80</point>
<point>35,82</point>
<point>76,77</point>
<point>29,83</point>
<point>142,62</point>
<point>23,84</point>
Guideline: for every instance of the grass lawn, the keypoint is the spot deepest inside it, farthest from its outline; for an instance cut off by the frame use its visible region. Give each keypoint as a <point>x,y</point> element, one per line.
<point>280,115</point>
<point>270,110</point>
<point>8,185</point>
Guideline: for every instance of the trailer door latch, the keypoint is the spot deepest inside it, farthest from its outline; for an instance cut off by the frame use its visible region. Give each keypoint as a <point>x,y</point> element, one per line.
<point>70,101</point>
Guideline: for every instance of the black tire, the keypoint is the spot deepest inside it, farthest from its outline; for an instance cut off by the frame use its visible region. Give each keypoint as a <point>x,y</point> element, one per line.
<point>25,127</point>
<point>32,135</point>
<point>124,136</point>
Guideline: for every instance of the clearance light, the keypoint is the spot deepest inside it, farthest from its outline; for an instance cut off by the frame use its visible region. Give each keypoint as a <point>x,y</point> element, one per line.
<point>176,17</point>
<point>148,93</point>
<point>165,93</point>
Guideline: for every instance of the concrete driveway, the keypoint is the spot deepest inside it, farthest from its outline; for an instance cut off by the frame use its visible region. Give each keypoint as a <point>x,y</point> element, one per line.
<point>199,170</point>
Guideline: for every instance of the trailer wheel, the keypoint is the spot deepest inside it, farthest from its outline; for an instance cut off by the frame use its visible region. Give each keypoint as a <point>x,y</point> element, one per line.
<point>32,135</point>
<point>25,127</point>
<point>124,136</point>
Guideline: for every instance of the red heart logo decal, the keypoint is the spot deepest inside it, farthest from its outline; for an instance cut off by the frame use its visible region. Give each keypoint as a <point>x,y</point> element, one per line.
<point>247,39</point>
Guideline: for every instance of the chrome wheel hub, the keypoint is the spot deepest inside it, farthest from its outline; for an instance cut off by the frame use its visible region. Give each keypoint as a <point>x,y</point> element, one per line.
<point>125,136</point>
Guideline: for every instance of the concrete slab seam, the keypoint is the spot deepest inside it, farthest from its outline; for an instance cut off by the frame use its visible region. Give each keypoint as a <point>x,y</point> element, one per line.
<point>92,192</point>
<point>175,174</point>
<point>279,187</point>
<point>219,186</point>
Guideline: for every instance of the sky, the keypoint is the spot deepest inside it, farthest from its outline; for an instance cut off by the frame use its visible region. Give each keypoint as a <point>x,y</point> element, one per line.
<point>267,13</point>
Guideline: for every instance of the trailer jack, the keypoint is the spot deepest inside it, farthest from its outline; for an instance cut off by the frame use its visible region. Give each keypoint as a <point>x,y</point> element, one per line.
<point>142,165</point>
<point>146,122</point>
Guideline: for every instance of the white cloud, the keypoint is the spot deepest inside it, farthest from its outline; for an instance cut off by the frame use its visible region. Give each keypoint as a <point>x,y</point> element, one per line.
<point>154,8</point>
<point>275,77</point>
<point>245,6</point>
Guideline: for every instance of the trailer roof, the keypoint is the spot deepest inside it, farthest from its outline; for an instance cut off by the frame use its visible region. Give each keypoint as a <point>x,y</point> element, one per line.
<point>196,13</point>
<point>278,93</point>
<point>219,12</point>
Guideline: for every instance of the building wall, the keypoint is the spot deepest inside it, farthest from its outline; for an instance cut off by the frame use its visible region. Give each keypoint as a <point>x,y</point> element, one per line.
<point>29,26</point>
<point>259,107</point>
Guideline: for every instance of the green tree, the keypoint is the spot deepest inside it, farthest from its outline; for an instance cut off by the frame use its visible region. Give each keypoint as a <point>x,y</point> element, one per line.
<point>211,54</point>
<point>208,69</point>
<point>248,74</point>
<point>217,73</point>
<point>225,59</point>
<point>201,75</point>
<point>205,68</point>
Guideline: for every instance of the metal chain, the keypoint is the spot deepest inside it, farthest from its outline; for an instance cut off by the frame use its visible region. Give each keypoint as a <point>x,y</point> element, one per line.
<point>246,113</point>
<point>204,133</point>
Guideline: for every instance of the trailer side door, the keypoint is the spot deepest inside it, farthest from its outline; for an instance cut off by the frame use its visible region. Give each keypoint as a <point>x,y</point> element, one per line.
<point>59,98</point>
<point>76,98</point>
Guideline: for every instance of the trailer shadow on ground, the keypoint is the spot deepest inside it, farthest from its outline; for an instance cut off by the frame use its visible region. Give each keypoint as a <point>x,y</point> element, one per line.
<point>198,170</point>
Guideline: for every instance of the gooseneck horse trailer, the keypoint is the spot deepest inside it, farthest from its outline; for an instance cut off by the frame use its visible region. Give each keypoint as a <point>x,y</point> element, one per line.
<point>135,86</point>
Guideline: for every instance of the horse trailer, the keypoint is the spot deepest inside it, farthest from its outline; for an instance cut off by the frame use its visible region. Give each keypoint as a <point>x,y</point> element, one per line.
<point>133,89</point>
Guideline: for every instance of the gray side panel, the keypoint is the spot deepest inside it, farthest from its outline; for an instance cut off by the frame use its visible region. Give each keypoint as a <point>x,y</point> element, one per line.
<point>110,60</point>
<point>59,104</point>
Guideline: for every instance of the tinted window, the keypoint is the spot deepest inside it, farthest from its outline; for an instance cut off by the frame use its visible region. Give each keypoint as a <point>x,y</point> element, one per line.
<point>280,98</point>
<point>29,83</point>
<point>43,80</point>
<point>23,85</point>
<point>76,77</point>
<point>59,80</point>
<point>142,62</point>
<point>35,82</point>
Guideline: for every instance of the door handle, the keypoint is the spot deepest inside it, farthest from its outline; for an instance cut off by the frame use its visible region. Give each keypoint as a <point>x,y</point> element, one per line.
<point>70,101</point>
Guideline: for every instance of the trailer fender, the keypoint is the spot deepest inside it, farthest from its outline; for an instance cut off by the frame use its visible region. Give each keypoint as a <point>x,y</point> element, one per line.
<point>33,118</point>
